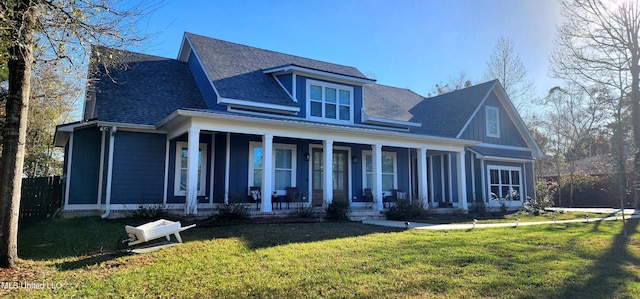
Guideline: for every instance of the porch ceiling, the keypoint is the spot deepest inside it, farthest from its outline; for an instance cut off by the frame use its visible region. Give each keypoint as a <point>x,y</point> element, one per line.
<point>181,120</point>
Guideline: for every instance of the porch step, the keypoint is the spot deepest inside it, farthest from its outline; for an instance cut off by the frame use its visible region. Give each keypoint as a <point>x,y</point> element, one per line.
<point>366,214</point>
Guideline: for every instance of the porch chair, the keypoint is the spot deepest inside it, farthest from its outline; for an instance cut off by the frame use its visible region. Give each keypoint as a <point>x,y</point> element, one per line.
<point>293,195</point>
<point>256,194</point>
<point>393,198</point>
<point>368,196</point>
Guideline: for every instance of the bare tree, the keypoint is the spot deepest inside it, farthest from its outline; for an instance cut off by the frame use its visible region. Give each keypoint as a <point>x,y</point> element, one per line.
<point>67,30</point>
<point>458,82</point>
<point>598,45</point>
<point>505,65</point>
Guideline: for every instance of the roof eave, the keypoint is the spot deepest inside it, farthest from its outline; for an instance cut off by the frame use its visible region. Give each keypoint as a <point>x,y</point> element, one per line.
<point>286,69</point>
<point>389,122</point>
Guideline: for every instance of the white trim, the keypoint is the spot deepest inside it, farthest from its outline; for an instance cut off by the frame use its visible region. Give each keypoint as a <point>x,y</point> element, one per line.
<point>68,178</point>
<point>488,109</point>
<point>166,172</point>
<point>507,168</point>
<point>389,122</point>
<point>337,104</point>
<point>294,85</point>
<point>483,182</point>
<point>204,70</point>
<point>107,202</point>
<point>313,130</point>
<point>276,146</point>
<point>284,88</point>
<point>473,175</point>
<point>475,112</point>
<point>178,167</point>
<point>259,106</point>
<point>410,164</point>
<point>212,165</point>
<point>394,156</point>
<point>523,180</point>
<point>442,179</point>
<point>505,159</point>
<point>430,187</point>
<point>227,167</point>
<point>327,149</point>
<point>461,180</point>
<point>450,174</point>
<point>100,174</point>
<point>310,166</point>
<point>318,74</point>
<point>506,147</point>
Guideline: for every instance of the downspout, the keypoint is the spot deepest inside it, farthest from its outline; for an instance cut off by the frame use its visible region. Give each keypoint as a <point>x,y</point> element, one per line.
<point>112,135</point>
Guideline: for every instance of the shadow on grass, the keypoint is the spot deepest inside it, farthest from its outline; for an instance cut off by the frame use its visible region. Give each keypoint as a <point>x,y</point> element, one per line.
<point>608,274</point>
<point>258,236</point>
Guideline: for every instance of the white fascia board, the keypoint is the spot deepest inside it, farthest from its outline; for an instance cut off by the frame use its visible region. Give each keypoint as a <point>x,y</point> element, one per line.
<point>520,125</point>
<point>319,131</point>
<point>283,88</point>
<point>389,122</point>
<point>185,49</point>
<point>259,106</point>
<point>63,132</point>
<point>318,74</point>
<point>503,159</point>
<point>475,112</point>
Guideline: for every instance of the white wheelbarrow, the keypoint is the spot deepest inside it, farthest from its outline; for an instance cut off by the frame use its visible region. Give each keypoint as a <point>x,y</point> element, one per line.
<point>149,231</point>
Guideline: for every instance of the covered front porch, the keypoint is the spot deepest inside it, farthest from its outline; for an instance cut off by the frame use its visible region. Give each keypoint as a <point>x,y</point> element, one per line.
<point>278,165</point>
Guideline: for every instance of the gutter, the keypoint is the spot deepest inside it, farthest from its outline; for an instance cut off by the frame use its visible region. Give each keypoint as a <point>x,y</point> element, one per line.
<point>112,135</point>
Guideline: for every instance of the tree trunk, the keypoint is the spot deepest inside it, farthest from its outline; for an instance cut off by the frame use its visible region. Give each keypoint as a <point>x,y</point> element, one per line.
<point>635,119</point>
<point>15,132</point>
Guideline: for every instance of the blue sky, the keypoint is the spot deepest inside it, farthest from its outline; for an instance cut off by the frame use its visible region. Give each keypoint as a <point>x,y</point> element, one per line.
<point>402,43</point>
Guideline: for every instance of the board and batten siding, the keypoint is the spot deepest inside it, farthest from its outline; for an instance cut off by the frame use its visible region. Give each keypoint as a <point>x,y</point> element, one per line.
<point>138,168</point>
<point>509,134</point>
<point>85,166</point>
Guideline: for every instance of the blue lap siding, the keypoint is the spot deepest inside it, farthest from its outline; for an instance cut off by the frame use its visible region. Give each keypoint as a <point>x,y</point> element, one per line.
<point>85,166</point>
<point>138,168</point>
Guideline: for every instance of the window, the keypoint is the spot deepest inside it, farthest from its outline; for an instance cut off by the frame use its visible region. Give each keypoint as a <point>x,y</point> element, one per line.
<point>389,170</point>
<point>284,171</point>
<point>493,122</point>
<point>505,183</point>
<point>182,153</point>
<point>328,101</point>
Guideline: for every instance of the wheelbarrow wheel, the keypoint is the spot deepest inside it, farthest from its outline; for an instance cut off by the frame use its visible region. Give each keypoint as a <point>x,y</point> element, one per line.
<point>123,242</point>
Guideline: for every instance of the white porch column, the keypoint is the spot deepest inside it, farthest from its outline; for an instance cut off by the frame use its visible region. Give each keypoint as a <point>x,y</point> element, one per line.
<point>422,177</point>
<point>328,171</point>
<point>267,172</point>
<point>462,180</point>
<point>193,148</point>
<point>376,159</point>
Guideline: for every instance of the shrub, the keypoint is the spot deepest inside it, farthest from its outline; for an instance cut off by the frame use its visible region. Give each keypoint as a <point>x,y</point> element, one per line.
<point>154,211</point>
<point>232,211</point>
<point>537,206</point>
<point>303,211</point>
<point>339,209</point>
<point>478,207</point>
<point>405,210</point>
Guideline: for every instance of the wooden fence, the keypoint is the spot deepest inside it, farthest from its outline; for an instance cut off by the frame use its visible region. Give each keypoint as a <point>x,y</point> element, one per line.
<point>41,197</point>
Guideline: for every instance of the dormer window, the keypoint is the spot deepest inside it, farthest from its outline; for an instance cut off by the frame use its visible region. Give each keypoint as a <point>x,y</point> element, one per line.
<point>493,122</point>
<point>329,102</point>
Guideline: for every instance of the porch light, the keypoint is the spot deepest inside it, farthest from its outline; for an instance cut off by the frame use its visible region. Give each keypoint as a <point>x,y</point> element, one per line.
<point>354,159</point>
<point>306,156</point>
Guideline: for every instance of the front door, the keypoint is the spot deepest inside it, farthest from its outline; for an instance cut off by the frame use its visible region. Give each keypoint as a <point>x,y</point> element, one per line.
<point>340,175</point>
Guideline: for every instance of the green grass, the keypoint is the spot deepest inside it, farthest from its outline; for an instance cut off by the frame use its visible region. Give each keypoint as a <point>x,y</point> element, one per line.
<point>334,260</point>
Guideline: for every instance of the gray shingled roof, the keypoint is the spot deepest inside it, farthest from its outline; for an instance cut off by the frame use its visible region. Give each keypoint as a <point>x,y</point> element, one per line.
<point>237,70</point>
<point>390,102</point>
<point>445,115</point>
<point>144,89</point>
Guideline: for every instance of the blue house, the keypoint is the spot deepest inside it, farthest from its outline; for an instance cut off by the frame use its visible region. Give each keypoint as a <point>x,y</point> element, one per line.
<point>224,119</point>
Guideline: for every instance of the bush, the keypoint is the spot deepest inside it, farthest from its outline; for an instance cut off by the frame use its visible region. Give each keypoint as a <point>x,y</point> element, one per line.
<point>537,206</point>
<point>303,211</point>
<point>339,209</point>
<point>405,210</point>
<point>232,211</point>
<point>155,211</point>
<point>478,207</point>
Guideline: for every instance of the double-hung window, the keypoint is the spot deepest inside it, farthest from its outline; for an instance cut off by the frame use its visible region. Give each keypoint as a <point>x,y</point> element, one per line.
<point>505,182</point>
<point>389,170</point>
<point>182,154</point>
<point>284,166</point>
<point>329,102</point>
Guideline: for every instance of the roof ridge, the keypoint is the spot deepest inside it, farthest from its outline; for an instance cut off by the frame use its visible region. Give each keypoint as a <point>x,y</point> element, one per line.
<point>130,52</point>
<point>276,52</point>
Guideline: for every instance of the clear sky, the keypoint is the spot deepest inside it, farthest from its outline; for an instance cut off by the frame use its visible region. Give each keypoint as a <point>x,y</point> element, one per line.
<point>402,43</point>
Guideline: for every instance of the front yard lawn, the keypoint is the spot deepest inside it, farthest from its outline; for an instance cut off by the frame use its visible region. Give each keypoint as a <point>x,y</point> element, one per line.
<point>75,258</point>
